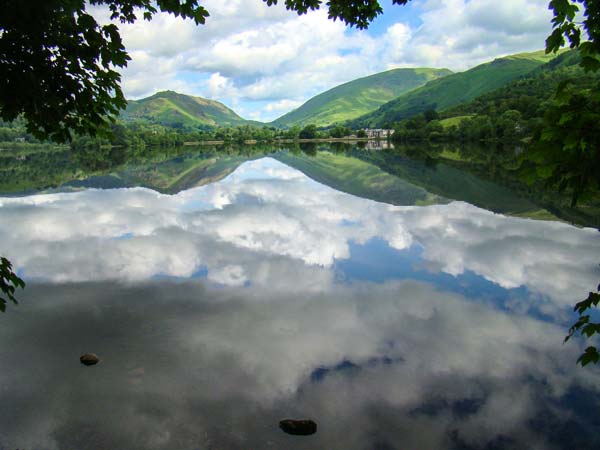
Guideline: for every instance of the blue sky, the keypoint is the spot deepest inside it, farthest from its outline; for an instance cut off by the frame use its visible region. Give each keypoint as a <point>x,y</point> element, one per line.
<point>393,14</point>
<point>264,61</point>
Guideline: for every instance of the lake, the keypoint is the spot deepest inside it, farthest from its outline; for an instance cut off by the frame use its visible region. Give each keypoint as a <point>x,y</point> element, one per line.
<point>400,304</point>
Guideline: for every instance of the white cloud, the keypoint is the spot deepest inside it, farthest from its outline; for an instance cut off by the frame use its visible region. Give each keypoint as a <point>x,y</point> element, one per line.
<point>219,86</point>
<point>284,105</point>
<point>459,34</point>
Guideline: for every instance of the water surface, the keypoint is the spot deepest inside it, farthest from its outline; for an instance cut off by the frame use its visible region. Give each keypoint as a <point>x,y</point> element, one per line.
<point>223,305</point>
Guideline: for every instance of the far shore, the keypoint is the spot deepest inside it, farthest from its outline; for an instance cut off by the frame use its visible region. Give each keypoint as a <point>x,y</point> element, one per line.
<point>288,141</point>
<point>51,146</point>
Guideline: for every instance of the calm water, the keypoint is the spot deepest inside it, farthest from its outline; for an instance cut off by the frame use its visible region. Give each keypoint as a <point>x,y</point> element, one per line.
<point>248,293</point>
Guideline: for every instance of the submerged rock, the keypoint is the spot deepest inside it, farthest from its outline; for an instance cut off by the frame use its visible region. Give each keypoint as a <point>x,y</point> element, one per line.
<point>89,359</point>
<point>302,427</point>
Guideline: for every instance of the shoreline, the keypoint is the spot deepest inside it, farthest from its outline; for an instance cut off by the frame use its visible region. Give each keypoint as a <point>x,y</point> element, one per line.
<point>285,141</point>
<point>52,146</point>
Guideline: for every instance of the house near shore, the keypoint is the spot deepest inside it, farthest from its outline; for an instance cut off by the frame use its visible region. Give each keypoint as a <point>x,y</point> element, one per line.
<point>378,133</point>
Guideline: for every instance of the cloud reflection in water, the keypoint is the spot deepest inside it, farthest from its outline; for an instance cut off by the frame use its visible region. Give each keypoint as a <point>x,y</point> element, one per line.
<point>273,332</point>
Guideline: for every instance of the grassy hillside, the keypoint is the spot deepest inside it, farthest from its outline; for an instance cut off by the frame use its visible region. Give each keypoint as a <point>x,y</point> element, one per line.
<point>455,89</point>
<point>511,113</point>
<point>527,94</point>
<point>358,97</point>
<point>177,110</point>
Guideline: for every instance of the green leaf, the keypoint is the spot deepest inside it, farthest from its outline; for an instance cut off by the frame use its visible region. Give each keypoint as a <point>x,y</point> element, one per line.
<point>590,355</point>
<point>9,281</point>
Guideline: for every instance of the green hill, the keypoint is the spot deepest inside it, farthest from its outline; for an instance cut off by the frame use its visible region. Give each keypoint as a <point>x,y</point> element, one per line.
<point>169,108</point>
<point>528,93</point>
<point>358,97</point>
<point>455,89</point>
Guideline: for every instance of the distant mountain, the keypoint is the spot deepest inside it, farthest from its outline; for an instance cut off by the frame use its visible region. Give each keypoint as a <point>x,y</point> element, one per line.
<point>455,89</point>
<point>171,109</point>
<point>358,97</point>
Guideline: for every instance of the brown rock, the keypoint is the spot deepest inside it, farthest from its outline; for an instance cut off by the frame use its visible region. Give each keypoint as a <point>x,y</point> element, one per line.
<point>304,427</point>
<point>89,359</point>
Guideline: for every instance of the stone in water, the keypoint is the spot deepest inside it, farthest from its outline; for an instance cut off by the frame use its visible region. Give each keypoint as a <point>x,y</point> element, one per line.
<point>89,359</point>
<point>304,427</point>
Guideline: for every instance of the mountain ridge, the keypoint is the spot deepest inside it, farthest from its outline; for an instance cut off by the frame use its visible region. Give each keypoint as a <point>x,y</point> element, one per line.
<point>357,97</point>
<point>454,89</point>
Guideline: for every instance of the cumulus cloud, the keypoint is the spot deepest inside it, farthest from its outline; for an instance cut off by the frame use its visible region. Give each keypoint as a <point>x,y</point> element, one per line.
<point>284,105</point>
<point>268,53</point>
<point>461,33</point>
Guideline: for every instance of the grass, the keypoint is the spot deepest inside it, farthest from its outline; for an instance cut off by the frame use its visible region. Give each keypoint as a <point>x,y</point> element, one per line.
<point>540,55</point>
<point>358,97</point>
<point>454,121</point>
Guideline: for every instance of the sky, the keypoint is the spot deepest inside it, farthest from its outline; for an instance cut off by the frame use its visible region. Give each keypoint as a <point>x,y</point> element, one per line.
<point>265,61</point>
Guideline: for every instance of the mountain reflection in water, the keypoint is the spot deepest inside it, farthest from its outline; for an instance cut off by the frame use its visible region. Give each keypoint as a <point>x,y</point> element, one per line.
<point>222,309</point>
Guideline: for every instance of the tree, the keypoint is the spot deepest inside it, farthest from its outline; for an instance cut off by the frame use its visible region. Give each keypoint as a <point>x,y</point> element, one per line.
<point>308,132</point>
<point>565,151</point>
<point>293,132</point>
<point>508,125</point>
<point>431,114</point>
<point>63,65</point>
<point>9,281</point>
<point>566,28</point>
<point>339,132</point>
<point>567,148</point>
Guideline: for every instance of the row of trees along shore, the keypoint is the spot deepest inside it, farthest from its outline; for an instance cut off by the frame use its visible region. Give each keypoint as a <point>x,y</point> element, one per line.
<point>140,133</point>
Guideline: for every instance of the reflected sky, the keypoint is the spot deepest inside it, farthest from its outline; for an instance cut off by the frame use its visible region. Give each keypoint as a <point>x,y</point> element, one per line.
<point>224,308</point>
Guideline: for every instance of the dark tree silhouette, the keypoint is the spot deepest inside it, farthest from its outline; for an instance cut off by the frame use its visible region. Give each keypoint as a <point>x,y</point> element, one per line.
<point>9,281</point>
